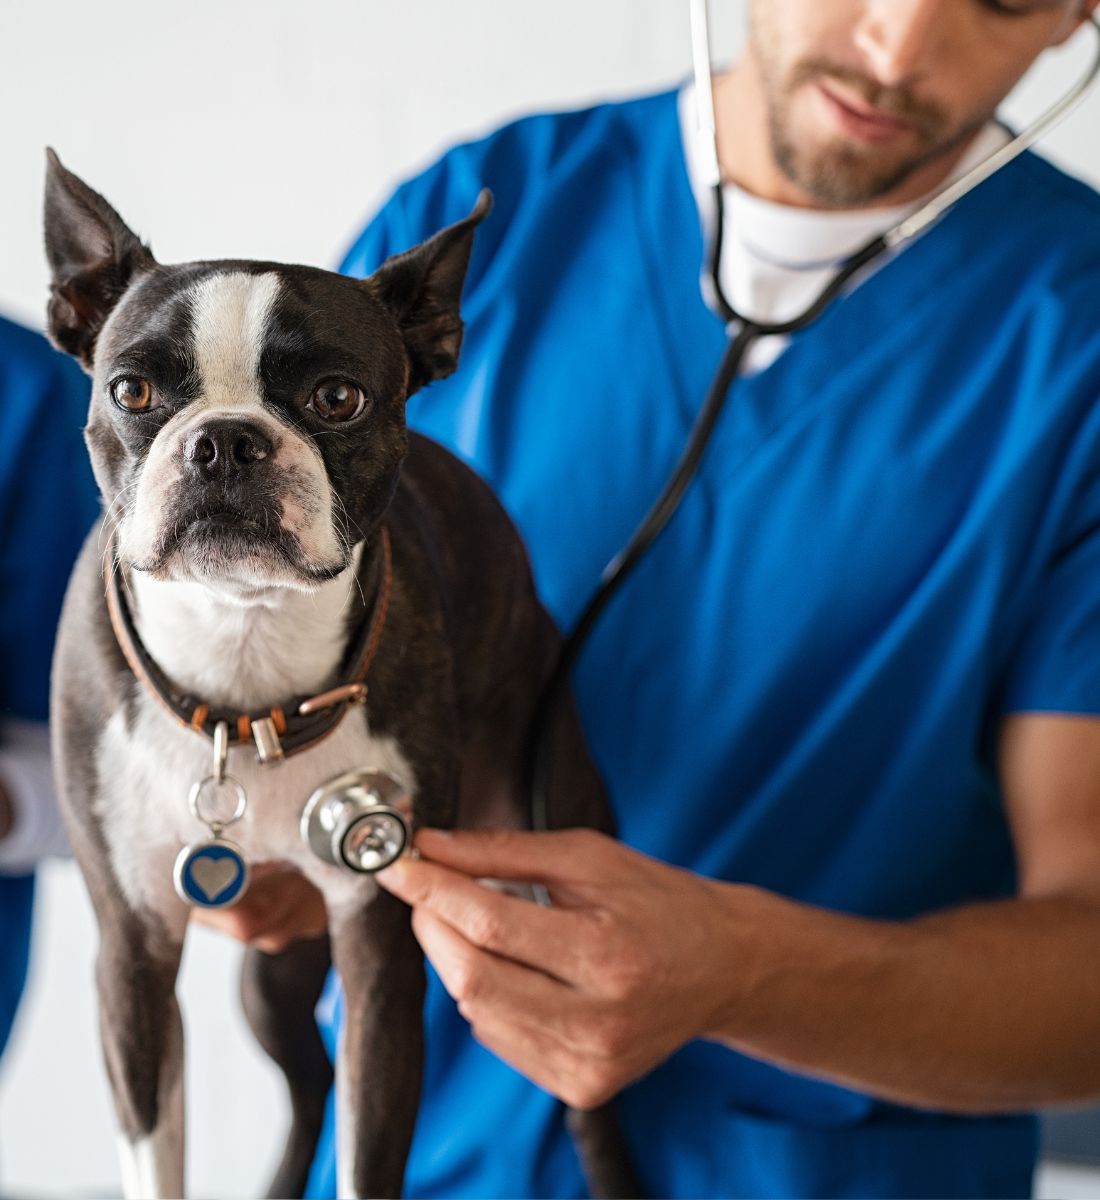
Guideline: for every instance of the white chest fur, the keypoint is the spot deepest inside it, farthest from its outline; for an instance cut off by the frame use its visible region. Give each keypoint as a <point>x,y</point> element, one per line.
<point>145,776</point>
<point>239,655</point>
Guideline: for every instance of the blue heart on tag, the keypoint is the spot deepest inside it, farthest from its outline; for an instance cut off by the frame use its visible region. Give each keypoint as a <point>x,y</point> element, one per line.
<point>212,875</point>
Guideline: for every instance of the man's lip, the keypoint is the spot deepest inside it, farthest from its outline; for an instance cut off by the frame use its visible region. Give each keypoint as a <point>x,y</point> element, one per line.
<point>859,118</point>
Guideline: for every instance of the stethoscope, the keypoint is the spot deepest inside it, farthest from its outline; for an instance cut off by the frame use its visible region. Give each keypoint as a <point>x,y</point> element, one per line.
<point>742,333</point>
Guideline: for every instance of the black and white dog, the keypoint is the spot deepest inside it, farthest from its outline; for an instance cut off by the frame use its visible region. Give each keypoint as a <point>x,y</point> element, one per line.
<point>284,573</point>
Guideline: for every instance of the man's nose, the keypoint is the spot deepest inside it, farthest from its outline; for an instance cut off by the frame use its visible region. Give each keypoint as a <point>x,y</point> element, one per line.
<point>226,448</point>
<point>900,39</point>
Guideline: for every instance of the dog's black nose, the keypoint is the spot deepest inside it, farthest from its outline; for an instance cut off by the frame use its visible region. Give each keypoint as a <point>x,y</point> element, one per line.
<point>223,448</point>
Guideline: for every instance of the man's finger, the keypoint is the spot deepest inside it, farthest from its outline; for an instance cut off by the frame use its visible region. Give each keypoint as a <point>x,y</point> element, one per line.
<point>558,857</point>
<point>484,985</point>
<point>505,925</point>
<point>528,1051</point>
<point>480,984</point>
<point>552,1062</point>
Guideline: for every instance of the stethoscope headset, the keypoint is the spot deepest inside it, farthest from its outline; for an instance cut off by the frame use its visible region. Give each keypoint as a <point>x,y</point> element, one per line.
<point>742,333</point>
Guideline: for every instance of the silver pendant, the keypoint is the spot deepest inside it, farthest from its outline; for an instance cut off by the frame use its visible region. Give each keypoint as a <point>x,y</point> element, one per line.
<point>212,874</point>
<point>357,821</point>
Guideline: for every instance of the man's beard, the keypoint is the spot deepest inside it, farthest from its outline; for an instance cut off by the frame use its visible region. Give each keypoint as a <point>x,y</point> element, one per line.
<point>844,174</point>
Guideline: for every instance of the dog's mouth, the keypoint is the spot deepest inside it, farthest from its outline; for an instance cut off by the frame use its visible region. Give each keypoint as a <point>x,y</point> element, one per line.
<point>225,541</point>
<point>222,523</point>
<point>242,533</point>
<point>225,528</point>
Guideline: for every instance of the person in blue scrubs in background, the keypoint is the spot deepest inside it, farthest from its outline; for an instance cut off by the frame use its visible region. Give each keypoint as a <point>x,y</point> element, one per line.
<point>847,708</point>
<point>48,501</point>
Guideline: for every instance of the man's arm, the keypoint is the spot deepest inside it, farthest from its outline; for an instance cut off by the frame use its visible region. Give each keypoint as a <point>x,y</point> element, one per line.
<point>988,1007</point>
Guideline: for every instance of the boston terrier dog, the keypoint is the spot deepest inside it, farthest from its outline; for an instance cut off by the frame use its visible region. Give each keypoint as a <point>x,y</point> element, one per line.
<point>299,632</point>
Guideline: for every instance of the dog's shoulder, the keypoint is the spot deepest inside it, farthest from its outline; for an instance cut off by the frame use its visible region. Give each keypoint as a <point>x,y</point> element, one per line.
<point>438,488</point>
<point>430,468</point>
<point>467,548</point>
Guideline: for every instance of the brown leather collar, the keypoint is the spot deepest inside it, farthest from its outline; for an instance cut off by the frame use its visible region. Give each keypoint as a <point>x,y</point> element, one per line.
<point>284,729</point>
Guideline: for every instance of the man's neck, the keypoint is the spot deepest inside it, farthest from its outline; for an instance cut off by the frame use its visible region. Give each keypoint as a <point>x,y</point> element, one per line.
<point>745,151</point>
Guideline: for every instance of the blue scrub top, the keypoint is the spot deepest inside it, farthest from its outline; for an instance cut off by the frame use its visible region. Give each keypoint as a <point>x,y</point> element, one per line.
<point>892,542</point>
<point>48,501</point>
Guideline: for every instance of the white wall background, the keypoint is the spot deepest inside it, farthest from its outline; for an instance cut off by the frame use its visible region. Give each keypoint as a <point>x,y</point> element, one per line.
<point>270,129</point>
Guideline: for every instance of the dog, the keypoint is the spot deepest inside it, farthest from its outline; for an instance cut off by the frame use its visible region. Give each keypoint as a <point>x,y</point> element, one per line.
<point>287,586</point>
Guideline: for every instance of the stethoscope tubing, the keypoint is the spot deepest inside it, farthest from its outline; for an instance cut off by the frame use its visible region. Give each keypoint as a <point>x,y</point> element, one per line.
<point>620,567</point>
<point>743,333</point>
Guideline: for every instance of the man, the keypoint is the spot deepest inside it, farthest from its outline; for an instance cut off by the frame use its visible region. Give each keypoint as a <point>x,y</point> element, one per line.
<point>851,694</point>
<point>47,503</point>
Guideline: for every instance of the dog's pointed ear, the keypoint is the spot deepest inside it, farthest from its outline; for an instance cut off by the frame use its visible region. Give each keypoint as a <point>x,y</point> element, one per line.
<point>93,257</point>
<point>422,288</point>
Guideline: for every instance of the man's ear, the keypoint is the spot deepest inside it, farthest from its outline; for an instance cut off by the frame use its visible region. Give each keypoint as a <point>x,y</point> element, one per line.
<point>422,288</point>
<point>93,257</point>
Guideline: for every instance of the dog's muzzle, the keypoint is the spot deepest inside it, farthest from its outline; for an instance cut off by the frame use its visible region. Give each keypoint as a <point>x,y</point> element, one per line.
<point>357,821</point>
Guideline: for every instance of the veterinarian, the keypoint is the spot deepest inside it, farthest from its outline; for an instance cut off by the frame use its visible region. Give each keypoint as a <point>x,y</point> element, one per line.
<point>847,705</point>
<point>48,502</point>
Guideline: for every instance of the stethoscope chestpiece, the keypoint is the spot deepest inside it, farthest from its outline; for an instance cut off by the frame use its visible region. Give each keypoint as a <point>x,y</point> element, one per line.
<point>357,821</point>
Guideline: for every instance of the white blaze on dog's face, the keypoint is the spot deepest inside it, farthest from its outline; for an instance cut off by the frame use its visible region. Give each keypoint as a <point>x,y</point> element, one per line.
<point>272,482</point>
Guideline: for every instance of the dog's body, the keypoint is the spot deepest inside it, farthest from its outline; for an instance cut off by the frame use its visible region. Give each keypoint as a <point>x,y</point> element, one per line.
<point>246,522</point>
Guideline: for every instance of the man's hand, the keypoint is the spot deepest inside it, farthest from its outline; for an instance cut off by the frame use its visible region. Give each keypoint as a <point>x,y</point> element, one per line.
<point>586,996</point>
<point>983,1008</point>
<point>280,906</point>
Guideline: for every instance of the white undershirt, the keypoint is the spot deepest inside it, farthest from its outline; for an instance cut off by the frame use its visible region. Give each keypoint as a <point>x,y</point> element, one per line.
<point>776,258</point>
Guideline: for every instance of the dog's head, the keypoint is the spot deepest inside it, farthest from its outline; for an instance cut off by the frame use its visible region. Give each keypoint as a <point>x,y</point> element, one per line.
<point>247,421</point>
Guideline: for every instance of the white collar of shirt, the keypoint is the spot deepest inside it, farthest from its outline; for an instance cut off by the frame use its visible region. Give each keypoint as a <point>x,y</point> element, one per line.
<point>777,258</point>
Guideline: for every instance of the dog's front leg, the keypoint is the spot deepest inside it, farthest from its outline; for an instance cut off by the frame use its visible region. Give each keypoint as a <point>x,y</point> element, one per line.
<point>142,1037</point>
<point>380,1060</point>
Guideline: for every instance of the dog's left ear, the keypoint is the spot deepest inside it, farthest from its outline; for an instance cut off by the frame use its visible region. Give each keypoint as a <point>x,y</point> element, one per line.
<point>422,288</point>
<point>93,257</point>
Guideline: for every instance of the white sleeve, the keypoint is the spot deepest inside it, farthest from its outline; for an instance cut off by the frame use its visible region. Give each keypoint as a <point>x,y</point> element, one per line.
<point>26,777</point>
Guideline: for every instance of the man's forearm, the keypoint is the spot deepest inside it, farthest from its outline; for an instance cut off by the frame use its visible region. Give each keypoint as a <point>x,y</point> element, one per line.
<point>986,1008</point>
<point>992,1007</point>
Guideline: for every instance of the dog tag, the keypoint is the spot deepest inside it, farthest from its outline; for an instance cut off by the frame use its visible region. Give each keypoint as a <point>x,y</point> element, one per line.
<point>214,873</point>
<point>211,874</point>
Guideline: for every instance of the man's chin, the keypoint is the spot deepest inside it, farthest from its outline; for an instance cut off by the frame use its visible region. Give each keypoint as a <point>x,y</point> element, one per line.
<point>838,173</point>
<point>843,177</point>
<point>834,173</point>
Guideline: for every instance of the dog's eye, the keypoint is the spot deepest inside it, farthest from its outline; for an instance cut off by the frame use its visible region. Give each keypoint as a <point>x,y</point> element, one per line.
<point>133,394</point>
<point>337,400</point>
